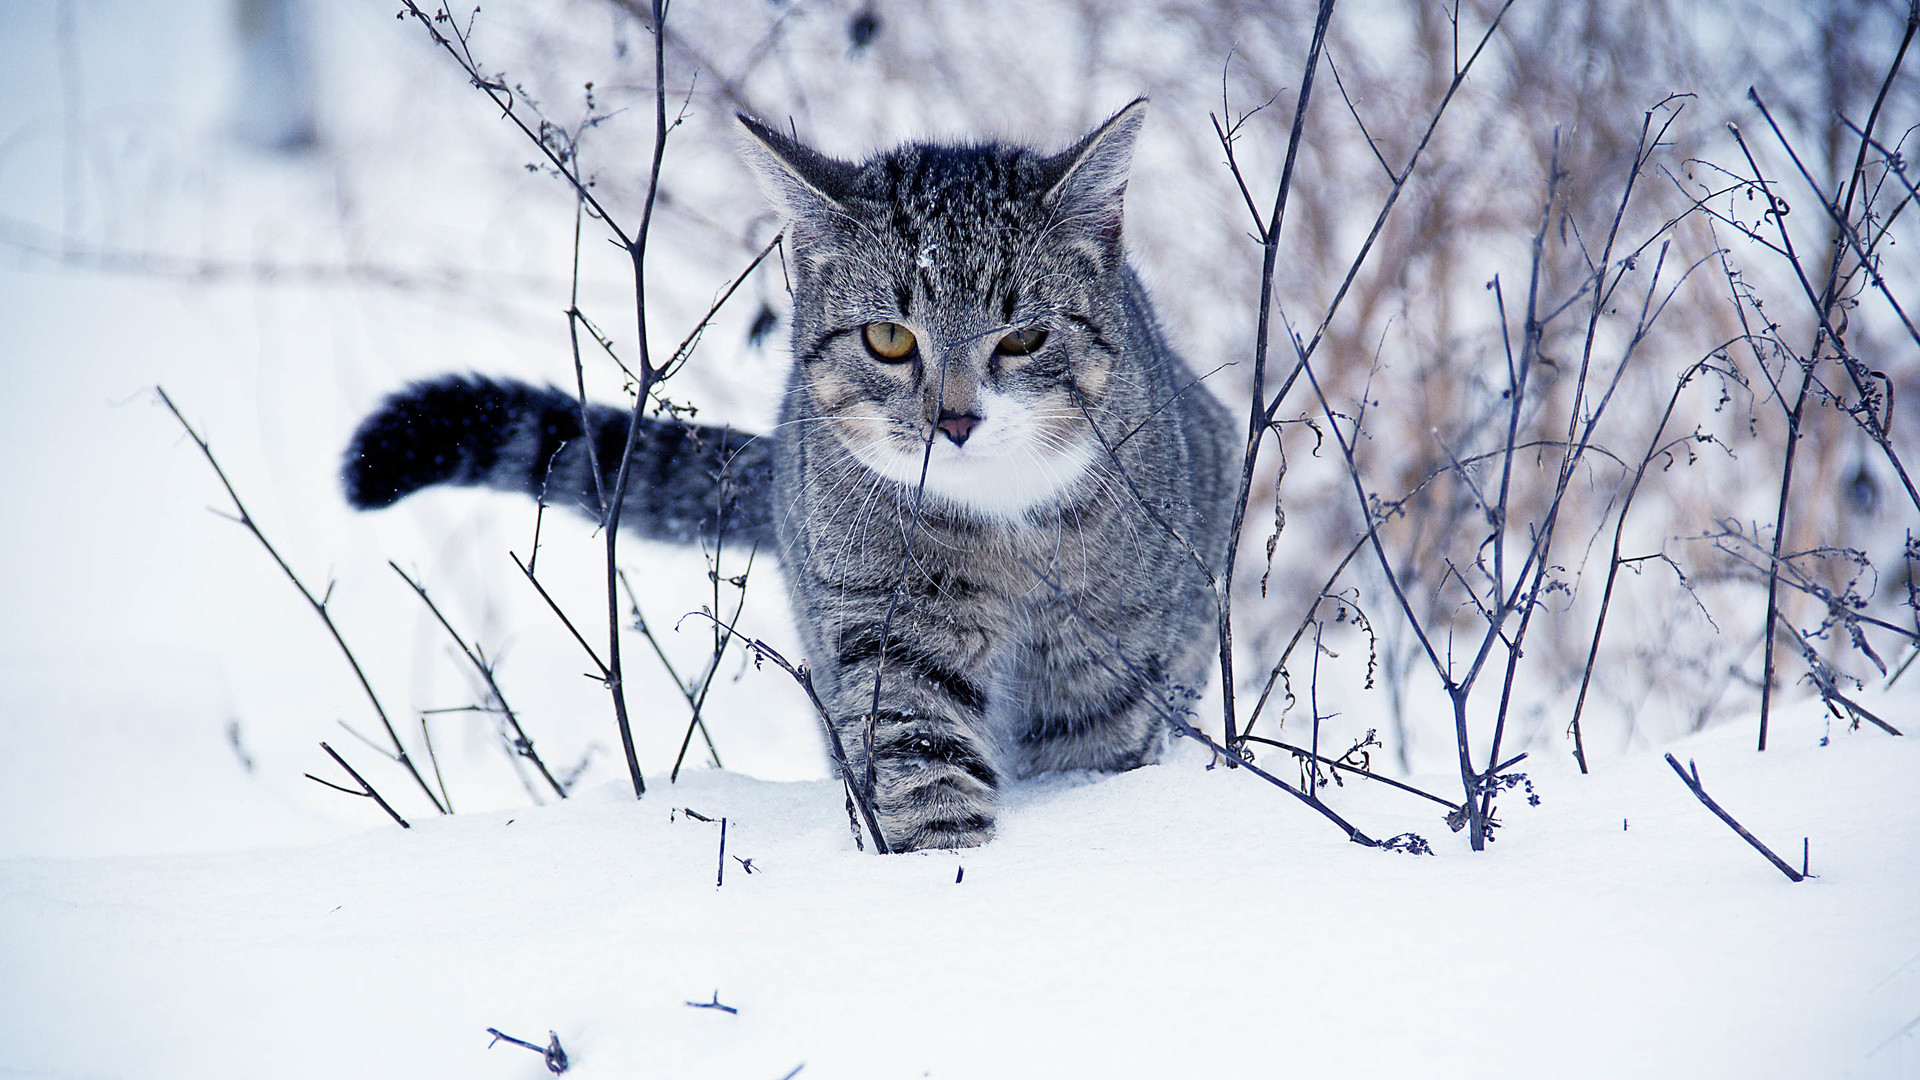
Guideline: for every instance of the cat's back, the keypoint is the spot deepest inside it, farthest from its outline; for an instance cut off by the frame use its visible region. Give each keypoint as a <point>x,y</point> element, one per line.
<point>1187,434</point>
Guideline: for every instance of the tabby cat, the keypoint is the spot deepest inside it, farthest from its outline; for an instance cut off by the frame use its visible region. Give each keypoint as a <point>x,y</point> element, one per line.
<point>983,418</point>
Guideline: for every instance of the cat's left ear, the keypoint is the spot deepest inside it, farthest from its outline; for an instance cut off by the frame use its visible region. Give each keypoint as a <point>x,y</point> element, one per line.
<point>1090,178</point>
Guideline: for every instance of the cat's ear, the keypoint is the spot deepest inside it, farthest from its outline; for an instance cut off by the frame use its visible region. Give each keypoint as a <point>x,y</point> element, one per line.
<point>801,182</point>
<point>1089,179</point>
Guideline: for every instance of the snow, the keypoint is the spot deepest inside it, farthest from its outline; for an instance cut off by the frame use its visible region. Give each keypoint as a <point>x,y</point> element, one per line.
<point>1173,920</point>
<point>177,900</point>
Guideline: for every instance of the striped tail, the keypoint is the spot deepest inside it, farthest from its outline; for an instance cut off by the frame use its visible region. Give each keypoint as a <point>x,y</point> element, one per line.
<point>687,483</point>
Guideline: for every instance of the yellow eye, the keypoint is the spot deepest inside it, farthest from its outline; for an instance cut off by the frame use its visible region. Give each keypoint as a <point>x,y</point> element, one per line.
<point>1022,342</point>
<point>890,340</point>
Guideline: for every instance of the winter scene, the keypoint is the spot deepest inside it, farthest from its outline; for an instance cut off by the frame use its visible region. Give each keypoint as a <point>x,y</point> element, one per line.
<point>960,538</point>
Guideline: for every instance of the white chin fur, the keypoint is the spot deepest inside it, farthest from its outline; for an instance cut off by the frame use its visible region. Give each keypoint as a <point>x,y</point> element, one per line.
<point>1000,472</point>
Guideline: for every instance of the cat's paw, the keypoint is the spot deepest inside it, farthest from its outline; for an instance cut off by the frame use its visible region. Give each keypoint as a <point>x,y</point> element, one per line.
<point>971,830</point>
<point>936,789</point>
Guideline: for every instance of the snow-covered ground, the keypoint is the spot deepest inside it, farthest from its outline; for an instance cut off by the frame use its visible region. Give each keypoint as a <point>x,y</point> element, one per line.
<point>1169,922</point>
<point>176,900</point>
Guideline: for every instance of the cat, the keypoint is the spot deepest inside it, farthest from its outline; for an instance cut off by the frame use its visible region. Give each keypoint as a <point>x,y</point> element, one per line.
<point>994,489</point>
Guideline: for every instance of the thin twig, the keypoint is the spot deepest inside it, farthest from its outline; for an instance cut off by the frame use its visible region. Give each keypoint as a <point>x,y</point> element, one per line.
<point>1351,770</point>
<point>366,789</point>
<point>318,604</point>
<point>610,525</point>
<point>1690,776</point>
<point>555,1057</point>
<point>558,610</point>
<point>521,743</point>
<point>855,794</point>
<point>1259,418</point>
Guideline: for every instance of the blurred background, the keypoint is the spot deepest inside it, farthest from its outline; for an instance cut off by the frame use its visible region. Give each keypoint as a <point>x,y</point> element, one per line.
<point>282,210</point>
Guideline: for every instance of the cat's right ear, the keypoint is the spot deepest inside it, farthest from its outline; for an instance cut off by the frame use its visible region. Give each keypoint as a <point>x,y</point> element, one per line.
<point>801,182</point>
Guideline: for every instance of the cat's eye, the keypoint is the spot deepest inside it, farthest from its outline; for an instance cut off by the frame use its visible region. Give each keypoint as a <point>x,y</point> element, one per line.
<point>890,341</point>
<point>1022,342</point>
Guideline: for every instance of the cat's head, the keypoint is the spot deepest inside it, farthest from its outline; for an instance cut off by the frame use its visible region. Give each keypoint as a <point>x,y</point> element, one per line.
<point>970,297</point>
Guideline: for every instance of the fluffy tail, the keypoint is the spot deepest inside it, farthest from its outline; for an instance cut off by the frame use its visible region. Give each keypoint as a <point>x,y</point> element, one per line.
<point>688,482</point>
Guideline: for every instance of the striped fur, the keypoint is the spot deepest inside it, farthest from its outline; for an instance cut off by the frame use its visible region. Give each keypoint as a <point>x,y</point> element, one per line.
<point>1017,598</point>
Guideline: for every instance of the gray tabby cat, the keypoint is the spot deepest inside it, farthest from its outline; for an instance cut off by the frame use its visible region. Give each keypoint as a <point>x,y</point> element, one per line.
<point>983,418</point>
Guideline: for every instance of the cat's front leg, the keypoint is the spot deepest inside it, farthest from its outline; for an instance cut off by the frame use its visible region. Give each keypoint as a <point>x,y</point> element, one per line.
<point>933,774</point>
<point>933,787</point>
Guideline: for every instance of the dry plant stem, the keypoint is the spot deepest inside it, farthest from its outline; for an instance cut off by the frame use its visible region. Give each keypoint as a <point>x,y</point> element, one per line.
<point>720,642</point>
<point>1798,581</point>
<point>502,96</point>
<point>1257,420</point>
<point>1518,377</point>
<point>693,700</point>
<point>1579,438</point>
<point>1893,161</point>
<point>1864,253</point>
<point>1386,210</point>
<point>635,246</point>
<point>1539,551</point>
<point>366,789</point>
<point>685,349</point>
<point>522,745</point>
<point>694,691</point>
<point>800,674</point>
<point>1441,667</point>
<point>1654,447</point>
<point>1823,303</point>
<point>1313,698</point>
<point>601,674</point>
<point>1690,776</point>
<point>318,604</point>
<point>1266,410</point>
<point>637,252</point>
<point>574,318</point>
<point>1580,432</point>
<point>1779,533</point>
<point>1326,589</point>
<point>1602,294</point>
<point>426,737</point>
<point>1831,693</point>
<point>1459,687</point>
<point>1823,308</point>
<point>1842,215</point>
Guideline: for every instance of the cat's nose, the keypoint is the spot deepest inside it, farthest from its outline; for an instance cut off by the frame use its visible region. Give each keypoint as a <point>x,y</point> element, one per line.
<point>958,426</point>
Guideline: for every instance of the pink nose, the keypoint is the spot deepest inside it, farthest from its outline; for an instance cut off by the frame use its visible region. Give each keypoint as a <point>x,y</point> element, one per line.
<point>958,426</point>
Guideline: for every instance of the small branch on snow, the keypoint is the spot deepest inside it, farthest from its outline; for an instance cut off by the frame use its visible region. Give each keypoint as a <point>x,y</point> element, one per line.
<point>1690,776</point>
<point>714,1004</point>
<point>556,1058</point>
